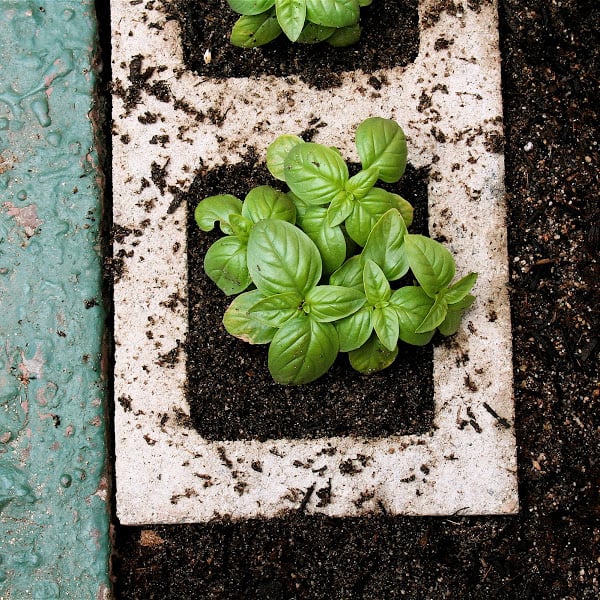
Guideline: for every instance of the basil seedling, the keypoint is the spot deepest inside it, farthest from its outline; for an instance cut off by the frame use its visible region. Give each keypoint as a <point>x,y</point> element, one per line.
<point>322,263</point>
<point>304,21</point>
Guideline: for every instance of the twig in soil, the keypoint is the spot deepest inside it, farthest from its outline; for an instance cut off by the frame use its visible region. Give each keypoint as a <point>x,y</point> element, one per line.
<point>501,420</point>
<point>306,499</point>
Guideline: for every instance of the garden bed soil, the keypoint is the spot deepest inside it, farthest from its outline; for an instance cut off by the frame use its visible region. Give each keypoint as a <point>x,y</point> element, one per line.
<point>551,71</point>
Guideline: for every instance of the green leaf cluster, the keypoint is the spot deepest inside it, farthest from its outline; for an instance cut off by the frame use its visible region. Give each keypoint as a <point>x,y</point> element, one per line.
<point>304,21</point>
<point>318,270</point>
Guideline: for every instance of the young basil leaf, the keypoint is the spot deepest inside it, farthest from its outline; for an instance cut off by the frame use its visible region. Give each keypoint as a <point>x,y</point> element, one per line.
<point>277,152</point>
<point>241,227</point>
<point>345,36</point>
<point>327,303</point>
<point>329,240</point>
<point>350,274</point>
<point>315,173</point>
<point>367,211</point>
<point>225,264</point>
<point>250,7</point>
<point>255,30</point>
<point>340,208</point>
<point>436,315</point>
<point>382,143</point>
<point>385,245</point>
<point>239,323</point>
<point>355,330</point>
<point>313,33</point>
<point>302,350</point>
<point>333,13</point>
<point>385,324</point>
<point>432,264</point>
<point>291,15</point>
<point>455,311</point>
<point>362,182</point>
<point>217,208</point>
<point>404,207</point>
<point>265,202</point>
<point>281,258</point>
<point>277,309</point>
<point>456,292</point>
<point>377,287</point>
<point>372,356</point>
<point>364,2</point>
<point>412,305</point>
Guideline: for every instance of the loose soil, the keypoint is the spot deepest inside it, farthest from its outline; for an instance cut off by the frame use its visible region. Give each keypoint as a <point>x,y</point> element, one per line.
<point>551,73</point>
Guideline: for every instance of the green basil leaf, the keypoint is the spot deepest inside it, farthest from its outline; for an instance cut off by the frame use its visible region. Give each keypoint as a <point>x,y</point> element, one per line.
<point>456,292</point>
<point>239,323</point>
<point>350,274</point>
<point>217,208</point>
<point>381,143</point>
<point>364,2</point>
<point>385,324</point>
<point>453,318</point>
<point>313,33</point>
<point>377,287</point>
<point>327,303</point>
<point>265,202</point>
<point>354,331</point>
<point>367,211</point>
<point>404,207</point>
<point>329,240</point>
<point>277,152</point>
<point>281,258</point>
<point>345,36</point>
<point>340,209</point>
<point>225,264</point>
<point>241,227</point>
<point>432,264</point>
<point>333,13</point>
<point>362,182</point>
<point>291,15</point>
<point>250,7</point>
<point>277,309</point>
<point>315,173</point>
<point>385,245</point>
<point>372,356</point>
<point>302,350</point>
<point>412,305</point>
<point>436,315</point>
<point>255,30</point>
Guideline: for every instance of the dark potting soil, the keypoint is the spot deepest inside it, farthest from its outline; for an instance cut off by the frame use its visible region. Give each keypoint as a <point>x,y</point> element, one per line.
<point>551,74</point>
<point>230,391</point>
<point>390,38</point>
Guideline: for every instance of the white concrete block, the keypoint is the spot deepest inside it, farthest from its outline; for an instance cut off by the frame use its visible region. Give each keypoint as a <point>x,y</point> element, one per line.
<point>466,464</point>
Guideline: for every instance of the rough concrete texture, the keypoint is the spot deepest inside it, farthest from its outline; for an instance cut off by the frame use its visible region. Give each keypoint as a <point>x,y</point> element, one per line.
<point>167,472</point>
<point>53,487</point>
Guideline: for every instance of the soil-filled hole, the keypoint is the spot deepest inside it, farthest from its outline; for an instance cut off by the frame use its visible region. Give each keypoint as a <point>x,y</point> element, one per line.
<point>231,393</point>
<point>389,38</point>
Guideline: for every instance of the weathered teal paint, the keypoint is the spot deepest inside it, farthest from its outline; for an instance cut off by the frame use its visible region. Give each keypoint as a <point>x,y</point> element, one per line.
<point>53,488</point>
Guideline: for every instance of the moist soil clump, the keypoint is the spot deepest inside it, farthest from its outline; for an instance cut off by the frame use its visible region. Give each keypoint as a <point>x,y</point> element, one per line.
<point>230,391</point>
<point>551,70</point>
<point>389,38</point>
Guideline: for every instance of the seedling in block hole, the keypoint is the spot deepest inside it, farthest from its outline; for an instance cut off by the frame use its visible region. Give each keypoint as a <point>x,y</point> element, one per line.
<point>317,268</point>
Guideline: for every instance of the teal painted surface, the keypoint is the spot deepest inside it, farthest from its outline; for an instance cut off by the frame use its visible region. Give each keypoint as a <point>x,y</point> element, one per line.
<point>53,489</point>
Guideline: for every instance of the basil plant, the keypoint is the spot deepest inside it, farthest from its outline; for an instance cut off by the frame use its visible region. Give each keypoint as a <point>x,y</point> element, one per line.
<point>318,269</point>
<point>304,21</point>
